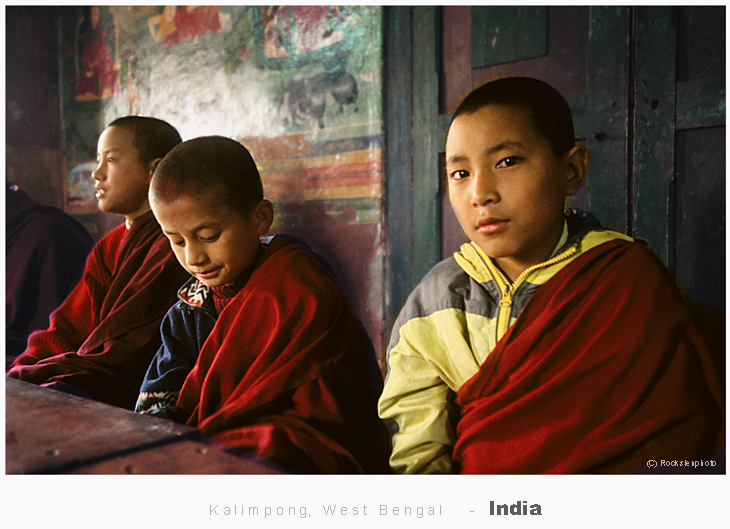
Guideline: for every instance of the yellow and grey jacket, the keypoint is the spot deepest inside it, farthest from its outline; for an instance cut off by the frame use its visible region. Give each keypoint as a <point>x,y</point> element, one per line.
<point>447,328</point>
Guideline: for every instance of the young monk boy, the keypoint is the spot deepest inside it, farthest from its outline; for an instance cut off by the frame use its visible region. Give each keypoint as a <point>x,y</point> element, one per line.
<point>544,345</point>
<point>102,338</point>
<point>262,352</point>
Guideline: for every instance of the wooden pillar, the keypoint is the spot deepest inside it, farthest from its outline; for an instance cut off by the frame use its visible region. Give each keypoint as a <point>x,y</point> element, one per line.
<point>654,118</point>
<point>398,87</point>
<point>412,200</point>
<point>607,123</point>
<point>426,142</point>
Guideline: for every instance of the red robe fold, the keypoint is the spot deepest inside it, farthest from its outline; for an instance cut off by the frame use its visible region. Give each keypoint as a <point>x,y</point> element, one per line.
<point>602,372</point>
<point>284,373</point>
<point>45,253</point>
<point>102,338</point>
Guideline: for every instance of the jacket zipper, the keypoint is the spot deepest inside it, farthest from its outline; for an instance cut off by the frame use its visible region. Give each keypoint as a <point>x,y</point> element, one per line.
<point>506,289</point>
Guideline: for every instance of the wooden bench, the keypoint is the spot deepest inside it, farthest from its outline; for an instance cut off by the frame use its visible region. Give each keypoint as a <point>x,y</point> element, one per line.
<point>50,432</point>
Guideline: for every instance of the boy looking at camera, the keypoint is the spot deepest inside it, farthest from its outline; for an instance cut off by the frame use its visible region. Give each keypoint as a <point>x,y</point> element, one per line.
<point>544,345</point>
<point>262,352</point>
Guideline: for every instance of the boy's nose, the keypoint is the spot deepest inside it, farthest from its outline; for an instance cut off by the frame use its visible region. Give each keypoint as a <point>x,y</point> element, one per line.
<point>97,174</point>
<point>194,256</point>
<point>483,189</point>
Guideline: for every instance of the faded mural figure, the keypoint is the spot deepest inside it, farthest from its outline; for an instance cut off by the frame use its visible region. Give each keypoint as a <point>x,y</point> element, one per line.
<point>131,95</point>
<point>175,24</point>
<point>298,30</point>
<point>96,75</point>
<point>306,97</point>
<point>163,25</point>
<point>301,29</point>
<point>313,28</point>
<point>277,33</point>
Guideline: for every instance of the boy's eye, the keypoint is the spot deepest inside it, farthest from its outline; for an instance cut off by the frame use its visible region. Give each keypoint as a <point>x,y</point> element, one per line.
<point>213,238</point>
<point>459,174</point>
<point>177,243</point>
<point>508,162</point>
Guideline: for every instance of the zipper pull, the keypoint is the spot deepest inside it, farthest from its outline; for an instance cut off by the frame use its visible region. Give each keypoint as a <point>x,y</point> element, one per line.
<point>505,305</point>
<point>506,300</point>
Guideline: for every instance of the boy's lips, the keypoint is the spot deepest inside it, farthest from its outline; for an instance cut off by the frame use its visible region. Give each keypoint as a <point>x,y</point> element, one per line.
<point>208,274</point>
<point>99,192</point>
<point>491,225</point>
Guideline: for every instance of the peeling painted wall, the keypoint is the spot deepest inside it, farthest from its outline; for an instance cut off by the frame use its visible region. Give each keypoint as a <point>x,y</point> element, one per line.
<point>300,86</point>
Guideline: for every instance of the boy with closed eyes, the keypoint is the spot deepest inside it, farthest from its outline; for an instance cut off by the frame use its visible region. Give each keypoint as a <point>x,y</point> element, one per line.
<point>545,344</point>
<point>262,351</point>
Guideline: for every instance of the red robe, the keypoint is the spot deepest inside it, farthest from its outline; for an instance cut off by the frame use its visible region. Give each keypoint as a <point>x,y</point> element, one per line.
<point>284,373</point>
<point>102,338</point>
<point>45,252</point>
<point>602,372</point>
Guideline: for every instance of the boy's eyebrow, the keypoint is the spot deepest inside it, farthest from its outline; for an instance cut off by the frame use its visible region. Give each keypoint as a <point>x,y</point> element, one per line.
<point>457,158</point>
<point>113,149</point>
<point>503,145</point>
<point>209,225</point>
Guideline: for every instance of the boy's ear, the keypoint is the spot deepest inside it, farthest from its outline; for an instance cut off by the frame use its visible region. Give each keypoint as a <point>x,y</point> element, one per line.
<point>153,165</point>
<point>577,162</point>
<point>263,216</point>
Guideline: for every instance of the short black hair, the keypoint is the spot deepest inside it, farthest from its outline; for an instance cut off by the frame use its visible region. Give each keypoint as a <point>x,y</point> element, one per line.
<point>210,165</point>
<point>548,110</point>
<point>152,137</point>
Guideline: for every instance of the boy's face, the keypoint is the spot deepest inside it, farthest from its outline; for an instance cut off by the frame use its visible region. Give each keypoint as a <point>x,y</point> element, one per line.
<point>507,186</point>
<point>213,242</point>
<point>120,179</point>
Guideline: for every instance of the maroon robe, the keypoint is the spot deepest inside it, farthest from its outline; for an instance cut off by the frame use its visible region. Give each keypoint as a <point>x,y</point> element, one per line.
<point>102,338</point>
<point>284,373</point>
<point>45,252</point>
<point>602,372</point>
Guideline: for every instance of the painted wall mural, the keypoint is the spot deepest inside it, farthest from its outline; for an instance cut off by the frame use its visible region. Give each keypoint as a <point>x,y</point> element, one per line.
<point>300,86</point>
<point>95,72</point>
<point>301,82</point>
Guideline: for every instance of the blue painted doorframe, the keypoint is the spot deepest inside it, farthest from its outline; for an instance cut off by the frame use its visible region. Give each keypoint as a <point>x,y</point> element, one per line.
<point>412,195</point>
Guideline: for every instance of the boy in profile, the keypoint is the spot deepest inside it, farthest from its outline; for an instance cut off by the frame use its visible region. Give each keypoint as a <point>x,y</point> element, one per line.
<point>262,352</point>
<point>545,345</point>
<point>102,337</point>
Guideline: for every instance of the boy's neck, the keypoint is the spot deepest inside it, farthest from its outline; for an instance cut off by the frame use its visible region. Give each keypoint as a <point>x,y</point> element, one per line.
<point>129,219</point>
<point>511,273</point>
